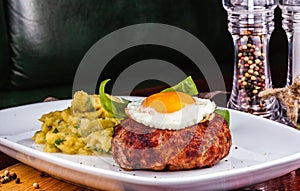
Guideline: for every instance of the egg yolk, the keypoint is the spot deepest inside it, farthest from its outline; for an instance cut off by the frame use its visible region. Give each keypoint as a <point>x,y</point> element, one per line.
<point>168,102</point>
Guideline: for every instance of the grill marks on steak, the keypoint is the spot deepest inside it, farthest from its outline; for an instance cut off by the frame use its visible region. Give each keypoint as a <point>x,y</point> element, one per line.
<point>136,146</point>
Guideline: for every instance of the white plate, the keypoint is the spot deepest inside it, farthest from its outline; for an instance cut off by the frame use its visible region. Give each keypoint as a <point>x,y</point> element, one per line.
<point>262,150</point>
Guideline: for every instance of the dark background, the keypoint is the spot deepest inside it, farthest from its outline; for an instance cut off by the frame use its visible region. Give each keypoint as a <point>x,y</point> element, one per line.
<point>43,41</point>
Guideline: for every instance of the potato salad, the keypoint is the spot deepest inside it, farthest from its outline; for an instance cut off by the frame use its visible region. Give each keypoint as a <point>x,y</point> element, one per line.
<point>83,128</point>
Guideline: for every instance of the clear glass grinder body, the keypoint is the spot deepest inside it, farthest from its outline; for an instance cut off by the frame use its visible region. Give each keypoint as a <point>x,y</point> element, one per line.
<point>291,24</point>
<point>251,24</point>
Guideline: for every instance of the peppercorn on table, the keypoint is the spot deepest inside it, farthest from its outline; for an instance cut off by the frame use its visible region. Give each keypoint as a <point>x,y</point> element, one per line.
<point>28,178</point>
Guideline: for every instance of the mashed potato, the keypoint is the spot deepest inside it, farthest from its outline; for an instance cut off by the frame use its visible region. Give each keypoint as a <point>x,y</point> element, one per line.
<point>83,128</point>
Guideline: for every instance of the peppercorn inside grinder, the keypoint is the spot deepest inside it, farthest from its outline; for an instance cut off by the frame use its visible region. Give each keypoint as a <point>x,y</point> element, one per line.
<point>251,24</point>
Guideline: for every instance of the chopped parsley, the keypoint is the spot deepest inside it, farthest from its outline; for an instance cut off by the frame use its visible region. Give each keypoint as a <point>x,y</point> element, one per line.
<point>58,141</point>
<point>55,131</point>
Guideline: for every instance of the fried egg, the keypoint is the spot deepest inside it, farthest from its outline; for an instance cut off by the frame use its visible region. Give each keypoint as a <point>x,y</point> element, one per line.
<point>170,110</point>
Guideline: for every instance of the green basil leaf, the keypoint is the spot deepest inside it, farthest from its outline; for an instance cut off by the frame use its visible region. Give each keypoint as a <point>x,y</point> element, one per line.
<point>116,106</point>
<point>187,86</point>
<point>113,105</point>
<point>224,113</point>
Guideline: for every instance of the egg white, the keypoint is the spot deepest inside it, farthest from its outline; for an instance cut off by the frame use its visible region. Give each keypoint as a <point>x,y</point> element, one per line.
<point>188,116</point>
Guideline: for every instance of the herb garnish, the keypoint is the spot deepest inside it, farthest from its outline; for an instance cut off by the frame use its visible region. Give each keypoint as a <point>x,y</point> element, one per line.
<point>58,141</point>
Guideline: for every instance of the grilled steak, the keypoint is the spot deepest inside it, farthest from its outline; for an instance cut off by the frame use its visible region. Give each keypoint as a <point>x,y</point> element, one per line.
<point>136,146</point>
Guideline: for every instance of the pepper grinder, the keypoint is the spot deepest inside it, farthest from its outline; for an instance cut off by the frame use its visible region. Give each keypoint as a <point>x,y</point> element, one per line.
<point>251,24</point>
<point>291,24</point>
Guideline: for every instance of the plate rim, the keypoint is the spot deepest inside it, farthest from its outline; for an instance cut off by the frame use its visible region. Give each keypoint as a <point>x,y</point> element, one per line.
<point>151,181</point>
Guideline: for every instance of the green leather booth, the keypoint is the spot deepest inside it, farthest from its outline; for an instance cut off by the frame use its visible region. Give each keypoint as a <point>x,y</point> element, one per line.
<point>43,41</point>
